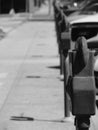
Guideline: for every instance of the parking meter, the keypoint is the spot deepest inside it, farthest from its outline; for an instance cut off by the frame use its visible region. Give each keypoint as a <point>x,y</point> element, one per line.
<point>82,86</point>
<point>81,59</point>
<point>63,36</point>
<point>83,82</point>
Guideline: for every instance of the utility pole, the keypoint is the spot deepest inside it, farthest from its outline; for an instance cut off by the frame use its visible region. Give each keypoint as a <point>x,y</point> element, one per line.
<point>31,6</point>
<point>50,6</point>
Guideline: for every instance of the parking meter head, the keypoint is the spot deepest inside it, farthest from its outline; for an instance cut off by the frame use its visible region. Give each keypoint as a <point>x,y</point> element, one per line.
<point>83,83</point>
<point>80,56</point>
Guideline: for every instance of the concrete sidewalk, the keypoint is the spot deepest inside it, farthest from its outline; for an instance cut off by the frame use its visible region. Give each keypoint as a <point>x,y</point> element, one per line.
<point>43,14</point>
<point>37,91</point>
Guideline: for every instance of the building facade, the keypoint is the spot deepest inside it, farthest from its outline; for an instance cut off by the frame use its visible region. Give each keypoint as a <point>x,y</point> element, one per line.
<point>17,5</point>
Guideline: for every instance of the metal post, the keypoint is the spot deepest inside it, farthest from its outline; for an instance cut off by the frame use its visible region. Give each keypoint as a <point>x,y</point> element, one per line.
<point>61,63</point>
<point>27,6</point>
<point>31,6</point>
<point>67,103</point>
<point>50,6</point>
<point>82,122</point>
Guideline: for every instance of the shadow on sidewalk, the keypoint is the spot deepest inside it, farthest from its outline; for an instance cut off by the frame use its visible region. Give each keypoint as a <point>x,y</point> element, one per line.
<point>19,118</point>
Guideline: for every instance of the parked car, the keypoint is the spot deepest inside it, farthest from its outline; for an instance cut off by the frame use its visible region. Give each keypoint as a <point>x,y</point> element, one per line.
<point>87,10</point>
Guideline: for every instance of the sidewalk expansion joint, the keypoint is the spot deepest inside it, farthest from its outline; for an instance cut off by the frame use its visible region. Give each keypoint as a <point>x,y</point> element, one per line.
<point>36,77</point>
<point>42,77</point>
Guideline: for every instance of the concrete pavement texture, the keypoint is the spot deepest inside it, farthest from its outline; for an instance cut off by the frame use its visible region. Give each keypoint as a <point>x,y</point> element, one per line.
<point>29,79</point>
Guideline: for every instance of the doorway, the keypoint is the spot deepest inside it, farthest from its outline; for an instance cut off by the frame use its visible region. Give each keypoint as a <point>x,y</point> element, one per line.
<point>19,5</point>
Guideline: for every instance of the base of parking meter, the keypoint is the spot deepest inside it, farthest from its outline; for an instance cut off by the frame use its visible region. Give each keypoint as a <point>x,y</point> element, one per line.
<point>82,122</point>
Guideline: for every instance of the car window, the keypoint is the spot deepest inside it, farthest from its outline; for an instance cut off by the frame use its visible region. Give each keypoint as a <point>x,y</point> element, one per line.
<point>92,8</point>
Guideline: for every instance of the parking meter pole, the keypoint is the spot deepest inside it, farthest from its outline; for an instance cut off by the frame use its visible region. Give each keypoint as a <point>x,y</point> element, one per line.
<point>67,105</point>
<point>66,95</point>
<point>82,122</point>
<point>61,63</point>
